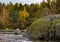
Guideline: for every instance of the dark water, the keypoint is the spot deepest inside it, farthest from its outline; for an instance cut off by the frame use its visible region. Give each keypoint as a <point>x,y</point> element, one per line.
<point>46,41</point>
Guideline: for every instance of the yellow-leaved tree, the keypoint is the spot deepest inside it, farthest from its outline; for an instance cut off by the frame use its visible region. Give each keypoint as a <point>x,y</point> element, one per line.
<point>23,15</point>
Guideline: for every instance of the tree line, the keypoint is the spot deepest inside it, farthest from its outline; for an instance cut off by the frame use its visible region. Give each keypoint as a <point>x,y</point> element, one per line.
<point>13,16</point>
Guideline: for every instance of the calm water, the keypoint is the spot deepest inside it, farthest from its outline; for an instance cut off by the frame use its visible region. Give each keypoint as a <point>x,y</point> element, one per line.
<point>18,38</point>
<point>45,41</point>
<point>13,38</point>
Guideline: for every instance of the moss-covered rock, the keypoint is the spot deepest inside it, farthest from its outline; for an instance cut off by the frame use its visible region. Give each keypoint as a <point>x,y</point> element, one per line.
<point>42,27</point>
<point>39,28</point>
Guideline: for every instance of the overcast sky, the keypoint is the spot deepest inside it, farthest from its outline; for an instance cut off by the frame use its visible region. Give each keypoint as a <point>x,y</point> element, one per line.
<point>21,1</point>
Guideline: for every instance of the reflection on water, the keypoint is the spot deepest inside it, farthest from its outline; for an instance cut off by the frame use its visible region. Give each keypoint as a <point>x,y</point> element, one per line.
<point>18,38</point>
<point>45,41</point>
<point>13,38</point>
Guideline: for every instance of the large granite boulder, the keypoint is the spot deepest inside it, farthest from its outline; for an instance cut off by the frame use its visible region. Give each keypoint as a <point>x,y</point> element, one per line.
<point>44,27</point>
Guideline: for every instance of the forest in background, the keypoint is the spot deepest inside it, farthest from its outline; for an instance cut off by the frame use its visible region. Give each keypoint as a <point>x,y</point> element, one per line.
<point>21,16</point>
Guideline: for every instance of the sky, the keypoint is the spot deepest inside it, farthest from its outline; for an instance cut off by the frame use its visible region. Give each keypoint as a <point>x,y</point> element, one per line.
<point>21,1</point>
